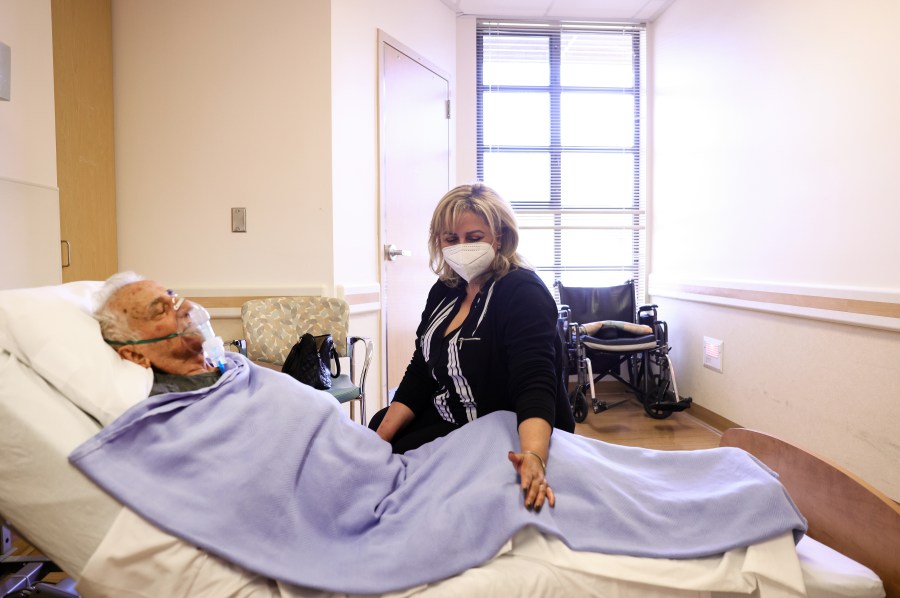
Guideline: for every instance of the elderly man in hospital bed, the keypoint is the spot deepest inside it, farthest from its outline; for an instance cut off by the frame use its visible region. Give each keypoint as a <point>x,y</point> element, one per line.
<point>269,477</point>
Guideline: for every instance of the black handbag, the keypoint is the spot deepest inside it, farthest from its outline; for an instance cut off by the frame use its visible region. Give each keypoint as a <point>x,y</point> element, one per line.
<point>310,361</point>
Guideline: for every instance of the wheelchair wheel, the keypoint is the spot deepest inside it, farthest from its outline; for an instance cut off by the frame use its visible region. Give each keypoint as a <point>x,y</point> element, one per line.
<point>579,405</point>
<point>660,391</point>
<point>655,413</point>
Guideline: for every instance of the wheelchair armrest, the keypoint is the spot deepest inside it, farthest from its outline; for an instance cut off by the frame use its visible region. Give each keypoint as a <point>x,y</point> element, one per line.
<point>662,332</point>
<point>370,350</point>
<point>241,345</point>
<point>647,315</point>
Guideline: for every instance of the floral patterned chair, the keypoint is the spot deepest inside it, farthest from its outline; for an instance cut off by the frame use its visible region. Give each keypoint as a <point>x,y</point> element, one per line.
<point>273,325</point>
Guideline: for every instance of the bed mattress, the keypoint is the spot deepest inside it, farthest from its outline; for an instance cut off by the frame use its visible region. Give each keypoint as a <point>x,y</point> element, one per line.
<point>47,500</point>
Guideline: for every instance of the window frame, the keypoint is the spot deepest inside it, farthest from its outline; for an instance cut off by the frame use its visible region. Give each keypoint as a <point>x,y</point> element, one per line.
<point>555,204</point>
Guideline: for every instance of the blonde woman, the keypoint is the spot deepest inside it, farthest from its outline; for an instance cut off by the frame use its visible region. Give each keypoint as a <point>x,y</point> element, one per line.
<point>487,341</point>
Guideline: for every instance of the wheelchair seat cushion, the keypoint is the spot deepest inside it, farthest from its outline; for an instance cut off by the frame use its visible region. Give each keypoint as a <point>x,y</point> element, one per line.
<point>616,329</point>
<point>620,344</point>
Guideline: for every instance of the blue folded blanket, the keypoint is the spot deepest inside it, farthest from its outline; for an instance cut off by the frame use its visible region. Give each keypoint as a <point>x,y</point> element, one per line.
<point>271,475</point>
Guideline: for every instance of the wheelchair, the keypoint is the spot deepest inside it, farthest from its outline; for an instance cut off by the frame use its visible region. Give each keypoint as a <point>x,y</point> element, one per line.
<point>603,335</point>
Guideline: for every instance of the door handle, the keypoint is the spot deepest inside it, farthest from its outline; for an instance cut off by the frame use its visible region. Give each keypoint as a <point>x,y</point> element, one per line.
<point>391,252</point>
<point>68,245</point>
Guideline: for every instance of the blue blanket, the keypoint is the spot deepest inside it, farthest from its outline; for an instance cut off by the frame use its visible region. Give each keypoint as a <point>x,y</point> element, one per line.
<point>271,475</point>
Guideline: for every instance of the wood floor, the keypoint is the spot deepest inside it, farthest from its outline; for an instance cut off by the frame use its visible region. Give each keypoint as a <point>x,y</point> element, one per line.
<point>627,424</point>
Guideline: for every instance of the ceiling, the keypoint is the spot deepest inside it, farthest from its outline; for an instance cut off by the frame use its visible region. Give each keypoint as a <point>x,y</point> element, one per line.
<point>606,10</point>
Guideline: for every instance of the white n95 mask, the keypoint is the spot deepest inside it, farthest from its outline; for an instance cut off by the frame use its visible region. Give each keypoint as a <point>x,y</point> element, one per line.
<point>469,260</point>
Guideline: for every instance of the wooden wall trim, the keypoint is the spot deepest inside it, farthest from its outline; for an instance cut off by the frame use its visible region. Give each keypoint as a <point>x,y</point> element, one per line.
<point>874,308</point>
<point>361,298</point>
<point>226,303</point>
<point>238,300</point>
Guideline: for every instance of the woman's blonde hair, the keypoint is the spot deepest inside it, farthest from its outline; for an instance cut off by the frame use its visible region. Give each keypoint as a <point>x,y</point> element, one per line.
<point>484,202</point>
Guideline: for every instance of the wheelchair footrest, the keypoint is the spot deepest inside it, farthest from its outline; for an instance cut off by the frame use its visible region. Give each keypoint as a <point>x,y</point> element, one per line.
<point>599,406</point>
<point>680,405</point>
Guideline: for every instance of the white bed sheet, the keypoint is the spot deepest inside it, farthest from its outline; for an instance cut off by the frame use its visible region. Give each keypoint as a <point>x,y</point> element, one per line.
<point>42,496</point>
<point>137,560</point>
<point>829,574</point>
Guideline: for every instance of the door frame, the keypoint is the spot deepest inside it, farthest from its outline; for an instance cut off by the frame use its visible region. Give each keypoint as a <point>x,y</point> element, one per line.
<point>386,40</point>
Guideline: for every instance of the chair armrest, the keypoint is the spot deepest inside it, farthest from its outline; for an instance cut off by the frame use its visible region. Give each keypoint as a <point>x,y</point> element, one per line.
<point>370,349</point>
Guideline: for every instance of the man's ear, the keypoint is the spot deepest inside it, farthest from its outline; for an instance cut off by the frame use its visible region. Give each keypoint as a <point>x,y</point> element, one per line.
<point>129,353</point>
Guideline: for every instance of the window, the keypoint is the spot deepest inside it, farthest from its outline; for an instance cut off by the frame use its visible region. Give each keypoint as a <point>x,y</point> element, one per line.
<point>559,136</point>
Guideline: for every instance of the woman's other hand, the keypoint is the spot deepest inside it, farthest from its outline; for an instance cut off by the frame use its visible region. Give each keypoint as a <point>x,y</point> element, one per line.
<point>535,487</point>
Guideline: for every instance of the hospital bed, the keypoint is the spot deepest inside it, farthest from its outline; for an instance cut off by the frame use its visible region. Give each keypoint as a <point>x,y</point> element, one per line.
<point>59,383</point>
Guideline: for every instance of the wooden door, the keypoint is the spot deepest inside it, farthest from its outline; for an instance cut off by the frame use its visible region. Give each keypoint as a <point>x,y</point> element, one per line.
<point>85,146</point>
<point>415,174</point>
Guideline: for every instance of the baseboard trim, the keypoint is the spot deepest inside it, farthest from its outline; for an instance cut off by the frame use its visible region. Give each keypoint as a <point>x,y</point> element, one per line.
<point>711,418</point>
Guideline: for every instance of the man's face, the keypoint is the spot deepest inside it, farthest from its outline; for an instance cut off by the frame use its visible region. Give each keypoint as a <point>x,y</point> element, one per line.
<point>150,310</point>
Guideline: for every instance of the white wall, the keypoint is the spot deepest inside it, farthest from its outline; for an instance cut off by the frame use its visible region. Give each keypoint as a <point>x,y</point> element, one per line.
<point>29,197</point>
<point>221,104</point>
<point>775,136</point>
<point>269,105</point>
<point>427,28</point>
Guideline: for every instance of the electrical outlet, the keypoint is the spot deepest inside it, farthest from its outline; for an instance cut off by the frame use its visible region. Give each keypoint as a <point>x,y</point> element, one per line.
<point>238,220</point>
<point>713,349</point>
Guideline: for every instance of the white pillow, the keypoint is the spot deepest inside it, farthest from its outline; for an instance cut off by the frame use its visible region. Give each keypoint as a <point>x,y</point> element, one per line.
<point>51,329</point>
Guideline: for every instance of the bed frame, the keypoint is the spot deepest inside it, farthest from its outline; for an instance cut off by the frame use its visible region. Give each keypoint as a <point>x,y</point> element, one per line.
<point>844,512</point>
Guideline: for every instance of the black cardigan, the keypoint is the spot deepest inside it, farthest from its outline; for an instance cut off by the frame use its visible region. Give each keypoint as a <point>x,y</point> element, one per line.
<point>507,355</point>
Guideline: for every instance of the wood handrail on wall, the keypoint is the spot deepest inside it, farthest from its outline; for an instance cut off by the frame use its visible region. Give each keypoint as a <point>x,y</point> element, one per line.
<point>233,303</point>
<point>834,304</point>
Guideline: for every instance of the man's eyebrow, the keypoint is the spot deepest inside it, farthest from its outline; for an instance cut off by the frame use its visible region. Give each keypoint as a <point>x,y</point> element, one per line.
<point>158,301</point>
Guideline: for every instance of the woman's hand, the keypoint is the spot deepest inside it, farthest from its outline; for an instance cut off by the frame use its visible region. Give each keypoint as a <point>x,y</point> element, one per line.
<point>531,462</point>
<point>530,467</point>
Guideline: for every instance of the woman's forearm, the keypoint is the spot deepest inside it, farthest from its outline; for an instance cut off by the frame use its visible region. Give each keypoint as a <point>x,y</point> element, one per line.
<point>534,436</point>
<point>531,462</point>
<point>397,416</point>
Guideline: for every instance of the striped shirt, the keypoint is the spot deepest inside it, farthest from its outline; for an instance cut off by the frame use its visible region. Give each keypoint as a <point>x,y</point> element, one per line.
<point>506,355</point>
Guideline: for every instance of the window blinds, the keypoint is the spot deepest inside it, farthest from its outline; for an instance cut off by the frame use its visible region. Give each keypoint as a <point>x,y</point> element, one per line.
<point>559,114</point>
